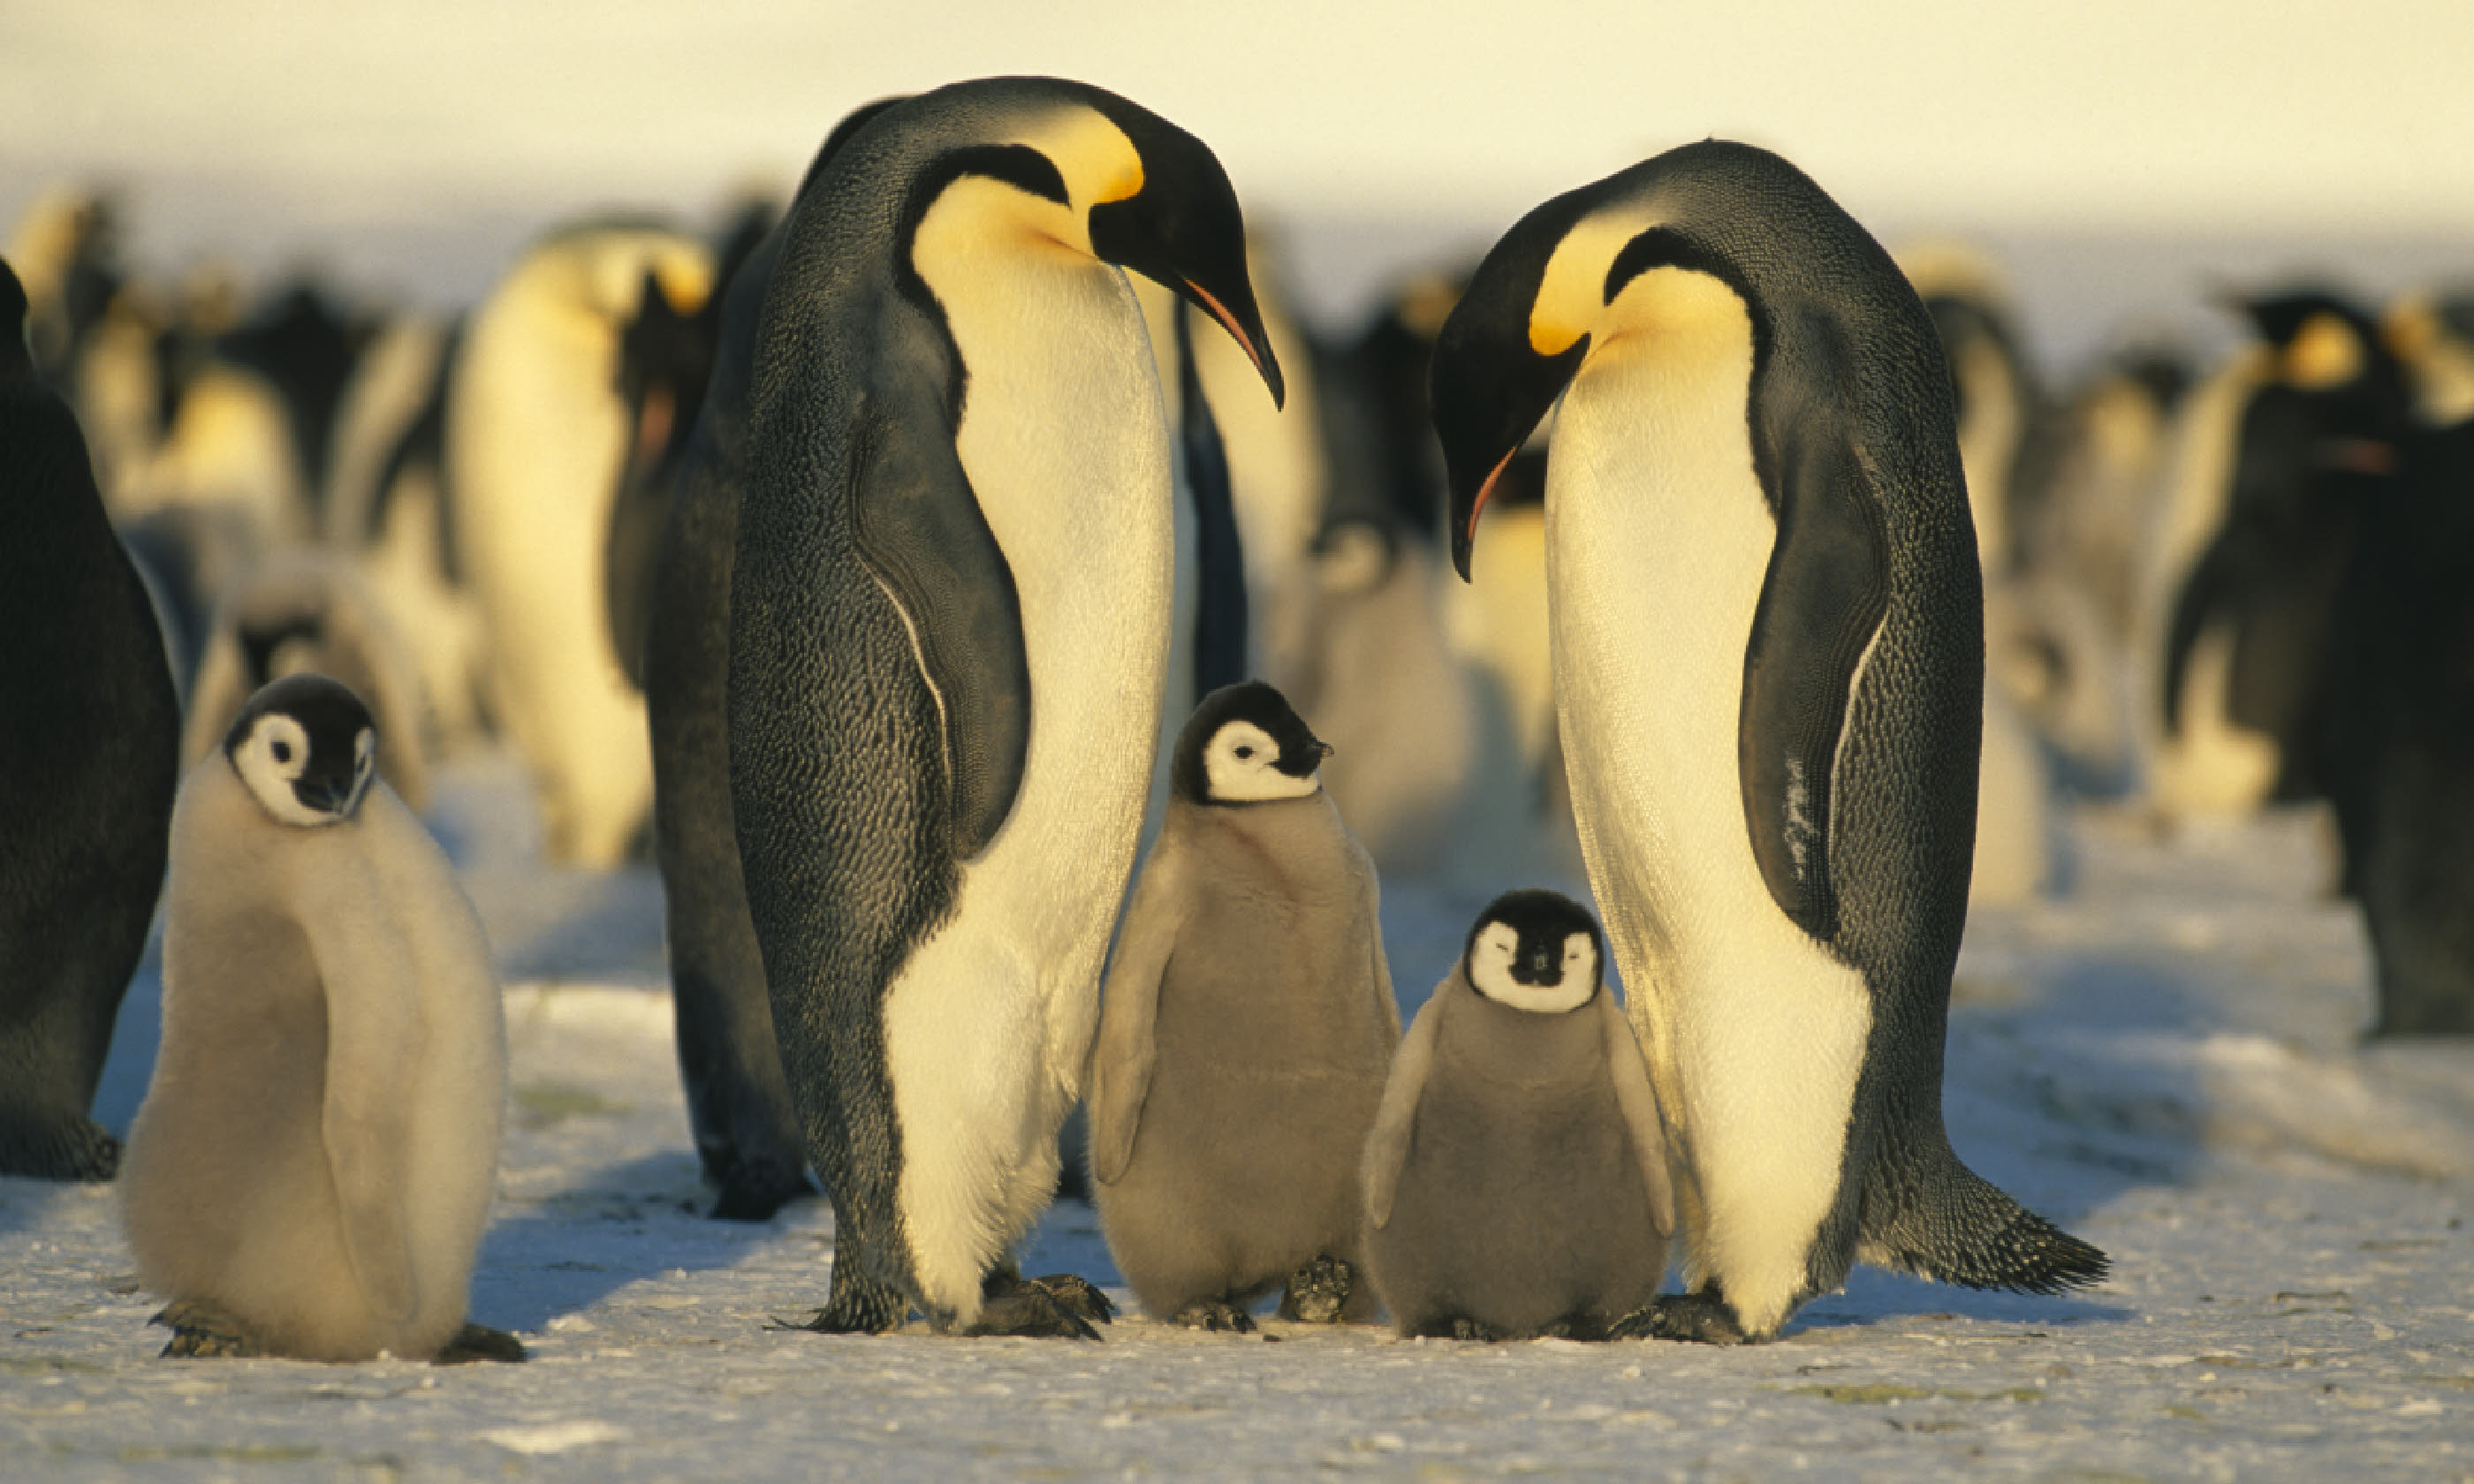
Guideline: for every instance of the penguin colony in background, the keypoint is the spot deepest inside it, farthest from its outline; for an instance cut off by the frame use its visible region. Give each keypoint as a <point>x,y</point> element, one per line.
<point>932,526</point>
<point>312,1167</point>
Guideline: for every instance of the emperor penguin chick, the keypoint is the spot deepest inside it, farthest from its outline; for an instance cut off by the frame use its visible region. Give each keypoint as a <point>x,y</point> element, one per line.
<point>1515,1181</point>
<point>1243,1031</point>
<point>311,1169</point>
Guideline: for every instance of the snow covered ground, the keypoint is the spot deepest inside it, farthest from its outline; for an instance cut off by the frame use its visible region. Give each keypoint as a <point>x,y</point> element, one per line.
<point>2165,1060</point>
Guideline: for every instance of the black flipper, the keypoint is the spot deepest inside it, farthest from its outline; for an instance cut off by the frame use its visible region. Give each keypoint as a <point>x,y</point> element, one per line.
<point>921,532</point>
<point>1822,599</point>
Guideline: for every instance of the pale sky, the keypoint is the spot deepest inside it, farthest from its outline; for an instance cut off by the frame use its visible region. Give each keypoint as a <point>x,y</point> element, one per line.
<point>2229,116</point>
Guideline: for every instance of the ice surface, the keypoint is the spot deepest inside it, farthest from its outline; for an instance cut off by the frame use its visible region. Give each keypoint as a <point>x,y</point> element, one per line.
<point>2165,1061</point>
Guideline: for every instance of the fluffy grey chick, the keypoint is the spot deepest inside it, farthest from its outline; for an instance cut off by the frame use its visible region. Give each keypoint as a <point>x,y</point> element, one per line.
<point>1516,1180</point>
<point>1243,1031</point>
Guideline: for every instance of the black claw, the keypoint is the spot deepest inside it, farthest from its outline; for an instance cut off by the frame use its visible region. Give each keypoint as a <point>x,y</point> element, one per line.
<point>1216,1315</point>
<point>1471,1329</point>
<point>480,1342</point>
<point>1318,1292</point>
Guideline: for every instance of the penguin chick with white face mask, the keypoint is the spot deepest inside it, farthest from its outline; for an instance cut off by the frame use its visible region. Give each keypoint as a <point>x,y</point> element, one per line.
<point>1516,1182</point>
<point>1243,1032</point>
<point>312,1167</point>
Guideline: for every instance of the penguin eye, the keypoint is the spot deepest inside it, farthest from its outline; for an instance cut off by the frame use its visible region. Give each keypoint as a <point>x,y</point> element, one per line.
<point>282,750</point>
<point>1243,750</point>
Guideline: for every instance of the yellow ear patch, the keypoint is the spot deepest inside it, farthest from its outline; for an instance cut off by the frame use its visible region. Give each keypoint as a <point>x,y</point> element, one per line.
<point>1126,184</point>
<point>1571,292</point>
<point>686,281</point>
<point>2325,352</point>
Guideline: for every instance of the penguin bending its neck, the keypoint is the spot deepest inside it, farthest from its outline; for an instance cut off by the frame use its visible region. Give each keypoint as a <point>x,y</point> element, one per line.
<point>949,631</point>
<point>1767,632</point>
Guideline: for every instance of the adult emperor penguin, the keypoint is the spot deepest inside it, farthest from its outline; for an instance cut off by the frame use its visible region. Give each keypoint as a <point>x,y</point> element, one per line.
<point>1768,647</point>
<point>312,1167</point>
<point>1516,1182</point>
<point>948,643</point>
<point>1244,1035</point>
<point>89,745</point>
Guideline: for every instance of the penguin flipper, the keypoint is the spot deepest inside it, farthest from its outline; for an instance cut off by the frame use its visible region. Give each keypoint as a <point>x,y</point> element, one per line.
<point>921,532</point>
<point>1640,1106</point>
<point>1821,602</point>
<point>1396,1117</point>
<point>1123,1054</point>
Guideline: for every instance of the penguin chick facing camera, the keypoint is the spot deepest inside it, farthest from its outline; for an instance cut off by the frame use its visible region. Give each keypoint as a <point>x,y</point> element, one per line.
<point>311,1169</point>
<point>1243,1032</point>
<point>1516,1182</point>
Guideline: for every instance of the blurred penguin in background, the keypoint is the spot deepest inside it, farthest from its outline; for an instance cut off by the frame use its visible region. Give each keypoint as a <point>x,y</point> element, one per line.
<point>387,507</point>
<point>2281,454</point>
<point>537,434</point>
<point>2431,332</point>
<point>2395,739</point>
<point>2085,520</point>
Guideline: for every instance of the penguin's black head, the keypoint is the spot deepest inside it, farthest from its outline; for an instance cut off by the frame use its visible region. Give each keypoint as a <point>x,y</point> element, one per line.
<point>1181,228</point>
<point>1535,950</point>
<point>1493,380</point>
<point>1244,745</point>
<point>306,747</point>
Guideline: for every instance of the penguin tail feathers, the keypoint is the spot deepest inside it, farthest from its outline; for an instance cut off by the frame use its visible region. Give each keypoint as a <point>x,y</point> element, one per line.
<point>1952,1224</point>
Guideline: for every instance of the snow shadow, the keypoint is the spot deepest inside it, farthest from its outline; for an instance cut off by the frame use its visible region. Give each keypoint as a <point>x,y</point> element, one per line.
<point>638,1219</point>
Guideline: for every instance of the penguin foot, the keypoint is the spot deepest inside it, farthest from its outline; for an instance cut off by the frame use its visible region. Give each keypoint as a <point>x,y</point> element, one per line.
<point>1466,1328</point>
<point>1077,1295</point>
<point>1704,1318</point>
<point>756,1194</point>
<point>201,1332</point>
<point>75,1147</point>
<point>1216,1314</point>
<point>1032,1310</point>
<point>1317,1292</point>
<point>480,1342</point>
